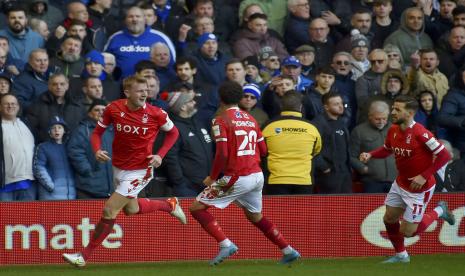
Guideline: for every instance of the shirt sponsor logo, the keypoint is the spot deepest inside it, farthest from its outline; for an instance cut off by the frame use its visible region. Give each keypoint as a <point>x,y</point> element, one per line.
<point>131,129</point>
<point>136,49</point>
<point>402,152</point>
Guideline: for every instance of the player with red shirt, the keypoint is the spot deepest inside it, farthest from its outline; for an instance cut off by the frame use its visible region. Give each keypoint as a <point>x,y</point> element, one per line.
<point>136,126</point>
<point>418,156</point>
<point>236,176</point>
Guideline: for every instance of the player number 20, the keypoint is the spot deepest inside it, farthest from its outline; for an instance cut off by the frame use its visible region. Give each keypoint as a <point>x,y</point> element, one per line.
<point>249,142</point>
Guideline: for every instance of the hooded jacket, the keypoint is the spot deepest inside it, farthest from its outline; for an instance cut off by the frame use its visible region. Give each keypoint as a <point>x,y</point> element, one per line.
<point>92,177</point>
<point>51,15</point>
<point>407,40</point>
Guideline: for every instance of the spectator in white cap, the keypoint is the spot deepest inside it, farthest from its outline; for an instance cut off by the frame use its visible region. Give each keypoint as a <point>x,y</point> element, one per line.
<point>249,102</point>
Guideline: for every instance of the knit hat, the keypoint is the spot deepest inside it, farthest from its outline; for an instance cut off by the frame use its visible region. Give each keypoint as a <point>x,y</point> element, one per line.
<point>96,57</point>
<point>304,49</point>
<point>56,120</point>
<point>253,89</point>
<point>97,102</point>
<point>177,99</point>
<point>266,52</point>
<point>183,85</point>
<point>357,39</point>
<point>291,61</point>
<point>251,60</point>
<point>204,38</point>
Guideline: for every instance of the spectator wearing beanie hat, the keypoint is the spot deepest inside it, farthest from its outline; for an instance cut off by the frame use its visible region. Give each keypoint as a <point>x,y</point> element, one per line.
<point>189,161</point>
<point>177,102</point>
<point>210,61</point>
<point>91,181</point>
<point>51,166</point>
<point>359,52</point>
<point>94,64</point>
<point>252,68</point>
<point>249,102</point>
<point>270,64</point>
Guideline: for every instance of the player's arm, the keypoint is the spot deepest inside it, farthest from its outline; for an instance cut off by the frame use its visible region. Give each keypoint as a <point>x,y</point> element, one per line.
<point>381,152</point>
<point>96,137</point>
<point>221,155</point>
<point>171,137</point>
<point>442,156</point>
<point>261,144</point>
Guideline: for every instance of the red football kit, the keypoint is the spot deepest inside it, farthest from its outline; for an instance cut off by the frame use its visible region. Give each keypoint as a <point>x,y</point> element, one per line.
<point>135,132</point>
<point>416,152</point>
<point>237,135</point>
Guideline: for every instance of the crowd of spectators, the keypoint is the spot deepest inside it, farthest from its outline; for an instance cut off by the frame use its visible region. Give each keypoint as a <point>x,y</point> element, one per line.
<point>319,77</point>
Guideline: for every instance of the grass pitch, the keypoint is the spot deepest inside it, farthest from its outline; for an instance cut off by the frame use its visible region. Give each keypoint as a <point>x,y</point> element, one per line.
<point>421,265</point>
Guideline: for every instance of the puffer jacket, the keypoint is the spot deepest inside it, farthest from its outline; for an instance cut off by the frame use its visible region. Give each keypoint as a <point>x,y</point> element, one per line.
<point>53,172</point>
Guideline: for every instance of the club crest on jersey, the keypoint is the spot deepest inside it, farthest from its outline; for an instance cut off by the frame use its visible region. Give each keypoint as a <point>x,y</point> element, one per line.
<point>145,118</point>
<point>238,115</point>
<point>426,135</point>
<point>409,138</point>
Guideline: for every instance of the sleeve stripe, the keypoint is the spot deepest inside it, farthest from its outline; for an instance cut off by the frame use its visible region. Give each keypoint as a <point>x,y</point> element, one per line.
<point>386,147</point>
<point>101,124</point>
<point>221,140</point>
<point>260,139</point>
<point>438,150</point>
<point>432,143</point>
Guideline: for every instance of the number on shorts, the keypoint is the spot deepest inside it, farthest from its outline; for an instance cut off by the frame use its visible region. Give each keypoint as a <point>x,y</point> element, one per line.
<point>417,209</point>
<point>249,142</point>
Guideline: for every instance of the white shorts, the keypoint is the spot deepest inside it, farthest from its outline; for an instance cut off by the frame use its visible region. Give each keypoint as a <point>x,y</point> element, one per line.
<point>246,191</point>
<point>413,203</point>
<point>129,183</point>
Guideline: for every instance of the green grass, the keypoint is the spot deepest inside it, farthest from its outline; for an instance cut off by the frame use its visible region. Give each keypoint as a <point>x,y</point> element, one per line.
<point>421,265</point>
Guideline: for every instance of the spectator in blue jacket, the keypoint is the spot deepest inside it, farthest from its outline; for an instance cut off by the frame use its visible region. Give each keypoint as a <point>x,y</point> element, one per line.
<point>51,166</point>
<point>296,26</point>
<point>210,61</point>
<point>132,44</point>
<point>93,179</point>
<point>33,81</point>
<point>8,64</point>
<point>452,113</point>
<point>22,39</point>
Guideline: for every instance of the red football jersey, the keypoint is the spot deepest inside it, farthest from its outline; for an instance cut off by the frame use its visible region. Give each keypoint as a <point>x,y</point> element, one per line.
<point>135,132</point>
<point>241,133</point>
<point>414,150</point>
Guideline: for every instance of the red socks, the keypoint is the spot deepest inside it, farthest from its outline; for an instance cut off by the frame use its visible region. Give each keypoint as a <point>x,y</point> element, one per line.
<point>102,230</point>
<point>396,238</point>
<point>147,206</point>
<point>425,222</point>
<point>209,223</point>
<point>271,232</point>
